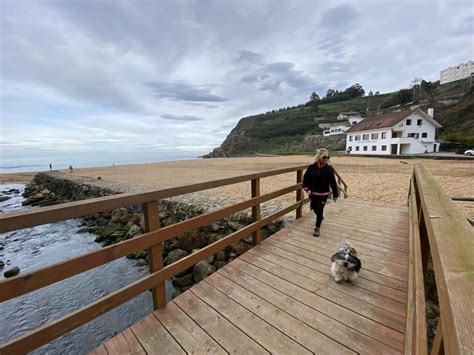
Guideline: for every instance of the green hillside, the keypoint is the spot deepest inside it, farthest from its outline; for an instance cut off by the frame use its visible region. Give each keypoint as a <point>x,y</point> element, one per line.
<point>295,130</point>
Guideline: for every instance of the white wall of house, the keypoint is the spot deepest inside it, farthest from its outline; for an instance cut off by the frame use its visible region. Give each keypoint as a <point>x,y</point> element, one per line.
<point>413,135</point>
<point>335,130</point>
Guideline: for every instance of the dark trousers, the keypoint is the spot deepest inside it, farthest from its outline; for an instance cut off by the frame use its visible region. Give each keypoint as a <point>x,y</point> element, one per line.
<point>317,205</point>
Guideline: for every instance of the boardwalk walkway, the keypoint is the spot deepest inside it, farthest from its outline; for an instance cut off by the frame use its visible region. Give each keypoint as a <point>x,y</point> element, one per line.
<point>279,297</point>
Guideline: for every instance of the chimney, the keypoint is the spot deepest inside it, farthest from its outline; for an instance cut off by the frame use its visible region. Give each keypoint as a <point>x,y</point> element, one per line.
<point>431,112</point>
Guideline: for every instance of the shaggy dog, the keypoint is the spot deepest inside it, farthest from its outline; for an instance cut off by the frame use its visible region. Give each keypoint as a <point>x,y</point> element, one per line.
<point>345,263</point>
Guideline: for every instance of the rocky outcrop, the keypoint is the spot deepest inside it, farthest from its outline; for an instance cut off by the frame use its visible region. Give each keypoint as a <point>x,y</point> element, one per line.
<point>125,223</point>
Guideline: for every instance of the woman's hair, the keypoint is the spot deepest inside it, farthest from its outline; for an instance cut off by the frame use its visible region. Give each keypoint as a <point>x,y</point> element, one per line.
<point>320,153</point>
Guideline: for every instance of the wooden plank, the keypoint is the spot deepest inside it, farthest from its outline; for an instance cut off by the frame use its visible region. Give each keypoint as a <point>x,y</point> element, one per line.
<point>133,342</point>
<point>100,350</point>
<point>155,252</point>
<point>263,333</point>
<point>277,317</point>
<point>373,329</point>
<point>30,281</point>
<point>329,247</point>
<point>321,273</point>
<point>299,193</point>
<point>256,213</point>
<point>153,336</point>
<point>328,242</point>
<point>71,321</point>
<point>120,345</point>
<point>231,338</point>
<point>451,239</point>
<point>332,328</point>
<point>49,214</point>
<point>386,275</point>
<point>438,347</point>
<point>186,332</point>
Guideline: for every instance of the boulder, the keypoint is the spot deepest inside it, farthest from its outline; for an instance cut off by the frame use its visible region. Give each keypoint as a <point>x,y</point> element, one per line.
<point>202,269</point>
<point>12,272</point>
<point>183,281</point>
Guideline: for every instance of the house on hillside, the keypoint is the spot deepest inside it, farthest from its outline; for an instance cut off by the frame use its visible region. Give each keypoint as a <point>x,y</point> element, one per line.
<point>335,130</point>
<point>404,132</point>
<point>351,116</point>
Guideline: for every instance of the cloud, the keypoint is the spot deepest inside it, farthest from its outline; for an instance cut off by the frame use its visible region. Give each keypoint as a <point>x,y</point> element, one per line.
<point>185,118</point>
<point>465,27</point>
<point>181,91</point>
<point>248,56</point>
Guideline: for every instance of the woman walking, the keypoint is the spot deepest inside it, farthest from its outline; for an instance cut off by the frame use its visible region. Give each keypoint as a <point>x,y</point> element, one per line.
<point>316,181</point>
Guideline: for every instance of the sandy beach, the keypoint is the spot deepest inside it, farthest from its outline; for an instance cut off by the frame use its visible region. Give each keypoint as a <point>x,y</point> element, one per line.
<point>368,179</point>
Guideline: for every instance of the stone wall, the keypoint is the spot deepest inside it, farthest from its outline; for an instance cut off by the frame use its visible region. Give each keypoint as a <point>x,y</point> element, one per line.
<point>126,223</point>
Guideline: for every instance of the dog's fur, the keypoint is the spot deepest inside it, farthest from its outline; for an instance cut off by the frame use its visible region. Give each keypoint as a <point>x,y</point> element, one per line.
<point>345,263</point>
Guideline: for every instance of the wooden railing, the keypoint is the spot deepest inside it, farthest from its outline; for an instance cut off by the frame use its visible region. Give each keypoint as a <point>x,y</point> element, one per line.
<point>152,240</point>
<point>438,228</point>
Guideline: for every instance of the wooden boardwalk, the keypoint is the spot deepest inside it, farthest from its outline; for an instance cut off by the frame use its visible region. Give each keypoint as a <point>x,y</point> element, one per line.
<point>279,296</point>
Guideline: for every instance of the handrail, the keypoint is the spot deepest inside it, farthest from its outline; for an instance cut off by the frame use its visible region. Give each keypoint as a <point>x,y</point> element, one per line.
<point>443,231</point>
<point>153,240</point>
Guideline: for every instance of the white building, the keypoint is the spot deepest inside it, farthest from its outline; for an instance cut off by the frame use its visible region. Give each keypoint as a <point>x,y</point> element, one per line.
<point>458,72</point>
<point>405,132</point>
<point>348,116</point>
<point>335,130</point>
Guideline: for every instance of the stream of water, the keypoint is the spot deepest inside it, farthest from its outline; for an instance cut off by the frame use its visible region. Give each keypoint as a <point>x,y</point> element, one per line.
<point>37,247</point>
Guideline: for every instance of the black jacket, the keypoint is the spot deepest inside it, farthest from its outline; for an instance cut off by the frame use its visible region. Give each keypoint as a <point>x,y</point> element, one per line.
<point>319,180</point>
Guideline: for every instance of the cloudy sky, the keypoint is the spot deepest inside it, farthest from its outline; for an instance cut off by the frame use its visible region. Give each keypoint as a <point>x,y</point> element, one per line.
<point>143,77</point>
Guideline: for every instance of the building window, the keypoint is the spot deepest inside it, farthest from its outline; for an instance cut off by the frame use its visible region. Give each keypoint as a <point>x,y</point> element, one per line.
<point>357,148</point>
<point>409,122</point>
<point>411,135</point>
<point>424,135</point>
<point>384,148</point>
<point>357,138</point>
<point>374,148</point>
<point>375,136</point>
<point>419,122</point>
<point>350,138</point>
<point>384,135</point>
<point>365,148</point>
<point>365,137</point>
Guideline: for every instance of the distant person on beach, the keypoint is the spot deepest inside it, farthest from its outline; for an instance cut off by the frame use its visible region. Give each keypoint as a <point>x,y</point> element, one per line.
<point>70,168</point>
<point>50,167</point>
<point>317,179</point>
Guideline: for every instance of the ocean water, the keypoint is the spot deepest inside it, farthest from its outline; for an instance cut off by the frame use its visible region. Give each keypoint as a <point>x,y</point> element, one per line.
<point>87,161</point>
<point>40,246</point>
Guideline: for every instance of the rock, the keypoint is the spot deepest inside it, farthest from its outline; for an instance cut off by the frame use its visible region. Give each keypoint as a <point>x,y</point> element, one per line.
<point>202,269</point>
<point>4,198</point>
<point>218,264</point>
<point>183,281</point>
<point>85,230</point>
<point>176,292</point>
<point>142,262</point>
<point>12,272</point>
<point>133,231</point>
<point>220,256</point>
<point>175,255</point>
<point>2,264</point>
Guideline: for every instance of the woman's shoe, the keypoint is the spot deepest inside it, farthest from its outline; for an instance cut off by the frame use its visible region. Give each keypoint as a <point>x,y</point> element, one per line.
<point>316,232</point>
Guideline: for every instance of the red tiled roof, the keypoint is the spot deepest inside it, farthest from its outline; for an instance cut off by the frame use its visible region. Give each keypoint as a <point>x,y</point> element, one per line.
<point>381,121</point>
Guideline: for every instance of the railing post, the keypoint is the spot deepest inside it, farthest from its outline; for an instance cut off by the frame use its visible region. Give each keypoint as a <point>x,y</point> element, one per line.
<point>438,347</point>
<point>256,236</point>
<point>155,252</point>
<point>299,194</point>
<point>424,242</point>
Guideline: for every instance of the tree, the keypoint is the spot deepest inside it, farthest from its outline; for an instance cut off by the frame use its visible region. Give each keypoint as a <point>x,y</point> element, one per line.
<point>428,87</point>
<point>330,93</point>
<point>355,90</point>
<point>314,97</point>
<point>404,96</point>
<point>377,93</point>
<point>371,93</point>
